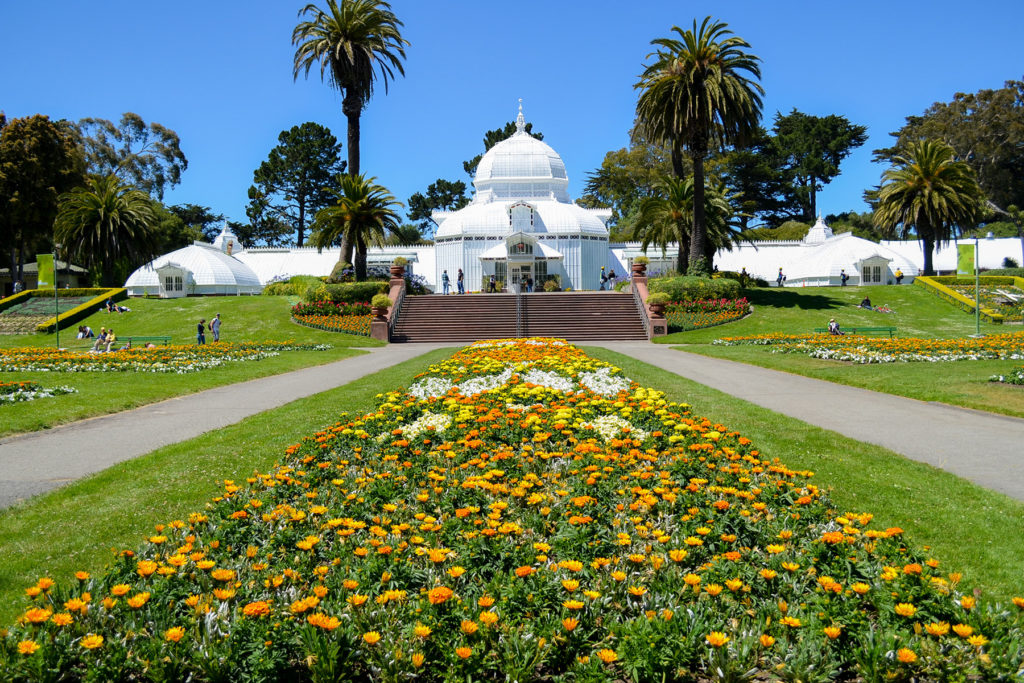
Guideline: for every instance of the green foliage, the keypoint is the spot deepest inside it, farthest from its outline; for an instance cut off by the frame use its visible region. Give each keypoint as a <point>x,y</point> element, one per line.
<point>109,226</point>
<point>689,288</point>
<point>198,219</point>
<point>293,183</point>
<point>813,147</point>
<point>1012,271</point>
<point>380,301</point>
<point>147,156</point>
<point>699,267</point>
<point>442,195</point>
<point>265,226</point>
<point>928,192</point>
<point>762,183</point>
<point>860,224</point>
<point>659,299</point>
<point>790,230</point>
<point>345,292</point>
<point>400,261</point>
<point>39,160</point>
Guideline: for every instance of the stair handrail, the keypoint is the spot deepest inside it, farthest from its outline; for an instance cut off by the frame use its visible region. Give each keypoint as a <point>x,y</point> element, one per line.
<point>641,308</point>
<point>396,309</point>
<point>518,289</point>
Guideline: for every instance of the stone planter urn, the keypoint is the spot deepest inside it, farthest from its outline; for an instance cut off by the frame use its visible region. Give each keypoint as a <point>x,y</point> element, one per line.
<point>397,271</point>
<point>657,310</point>
<point>639,269</point>
<point>380,312</point>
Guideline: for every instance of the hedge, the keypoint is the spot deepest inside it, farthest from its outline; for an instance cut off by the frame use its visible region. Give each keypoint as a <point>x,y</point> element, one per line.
<point>689,288</point>
<point>83,311</point>
<point>346,292</point>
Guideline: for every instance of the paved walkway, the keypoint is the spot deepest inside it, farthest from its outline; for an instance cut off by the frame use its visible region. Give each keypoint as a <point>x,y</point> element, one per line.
<point>982,447</point>
<point>34,463</point>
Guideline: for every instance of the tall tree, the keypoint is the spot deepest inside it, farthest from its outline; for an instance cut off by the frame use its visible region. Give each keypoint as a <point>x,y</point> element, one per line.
<point>200,219</point>
<point>985,130</point>
<point>493,137</point>
<point>294,178</point>
<point>926,191</point>
<point>148,156</point>
<point>108,225</point>
<point>813,147</point>
<point>362,214</point>
<point>265,226</point>
<point>697,93</point>
<point>667,217</point>
<point>441,195</point>
<point>355,42</point>
<point>759,180</point>
<point>39,160</point>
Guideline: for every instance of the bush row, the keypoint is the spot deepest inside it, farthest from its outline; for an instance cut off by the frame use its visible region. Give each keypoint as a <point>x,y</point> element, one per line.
<point>689,288</point>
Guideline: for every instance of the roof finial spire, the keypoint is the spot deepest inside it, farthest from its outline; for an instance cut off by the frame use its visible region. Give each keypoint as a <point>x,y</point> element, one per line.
<point>520,119</point>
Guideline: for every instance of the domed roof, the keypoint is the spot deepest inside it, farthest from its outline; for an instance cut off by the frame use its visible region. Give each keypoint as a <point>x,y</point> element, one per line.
<point>523,167</point>
<point>843,251</point>
<point>210,268</point>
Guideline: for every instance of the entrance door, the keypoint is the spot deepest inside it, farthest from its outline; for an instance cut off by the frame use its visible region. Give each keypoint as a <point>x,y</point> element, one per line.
<point>518,273</point>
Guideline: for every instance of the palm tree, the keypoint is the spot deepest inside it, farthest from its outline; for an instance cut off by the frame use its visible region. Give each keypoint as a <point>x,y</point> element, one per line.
<point>928,192</point>
<point>362,215</point>
<point>668,216</point>
<point>107,225</point>
<point>699,92</point>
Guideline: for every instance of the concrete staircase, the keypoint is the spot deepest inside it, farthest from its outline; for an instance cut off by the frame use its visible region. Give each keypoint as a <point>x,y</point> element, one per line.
<point>576,316</point>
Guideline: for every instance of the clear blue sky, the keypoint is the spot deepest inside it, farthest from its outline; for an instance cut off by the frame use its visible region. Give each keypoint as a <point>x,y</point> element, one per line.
<point>220,74</point>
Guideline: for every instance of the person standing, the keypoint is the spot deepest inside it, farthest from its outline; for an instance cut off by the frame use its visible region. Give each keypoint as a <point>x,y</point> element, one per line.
<point>899,276</point>
<point>843,277</point>
<point>611,279</point>
<point>529,283</point>
<point>460,280</point>
<point>215,327</point>
<point>201,332</point>
<point>491,286</point>
<point>604,279</point>
<point>781,278</point>
<point>445,282</point>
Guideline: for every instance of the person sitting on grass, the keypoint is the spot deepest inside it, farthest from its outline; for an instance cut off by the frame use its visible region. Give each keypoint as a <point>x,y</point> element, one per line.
<point>866,304</point>
<point>883,309</point>
<point>833,327</point>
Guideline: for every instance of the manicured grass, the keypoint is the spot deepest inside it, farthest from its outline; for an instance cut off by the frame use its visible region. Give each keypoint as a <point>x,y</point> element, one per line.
<point>75,528</point>
<point>254,318</point>
<point>967,527</point>
<point>917,314</point>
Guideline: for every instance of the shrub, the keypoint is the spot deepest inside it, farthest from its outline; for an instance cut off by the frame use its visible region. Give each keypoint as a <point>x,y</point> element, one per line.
<point>342,272</point>
<point>1008,271</point>
<point>345,292</point>
<point>1010,263</point>
<point>329,308</point>
<point>689,288</point>
<point>380,301</point>
<point>658,299</point>
<point>400,261</point>
<point>643,260</point>
<point>551,286</point>
<point>699,267</point>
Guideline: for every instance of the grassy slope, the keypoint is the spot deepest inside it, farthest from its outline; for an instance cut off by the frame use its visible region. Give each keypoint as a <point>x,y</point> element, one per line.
<point>254,318</point>
<point>74,528</point>
<point>917,314</point>
<point>968,528</point>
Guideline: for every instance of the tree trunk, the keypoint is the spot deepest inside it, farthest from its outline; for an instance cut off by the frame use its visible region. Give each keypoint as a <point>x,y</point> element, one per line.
<point>360,261</point>
<point>302,220</point>
<point>684,252</point>
<point>928,244</point>
<point>677,161</point>
<point>814,201</point>
<point>698,237</point>
<point>352,107</point>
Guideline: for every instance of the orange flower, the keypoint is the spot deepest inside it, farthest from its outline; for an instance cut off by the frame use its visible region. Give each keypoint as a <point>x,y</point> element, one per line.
<point>174,634</point>
<point>260,608</point>
<point>860,588</point>
<point>464,652</point>
<point>569,624</point>
<point>417,660</point>
<point>937,629</point>
<point>607,656</point>
<point>439,595</point>
<point>145,568</point>
<point>469,627</point>
<point>120,589</point>
<point>488,618</point>
<point>223,575</point>
<point>906,655</point>
<point>905,609</point>
<point>37,615</point>
<point>963,630</point>
<point>62,619</point>
<point>27,647</point>
<point>357,600</point>
<point>371,637</point>
<point>716,639</point>
<point>523,572</point>
<point>323,621</point>
<point>422,631</point>
<point>138,600</point>
<point>832,632</point>
<point>968,602</point>
<point>767,640</point>
<point>91,642</point>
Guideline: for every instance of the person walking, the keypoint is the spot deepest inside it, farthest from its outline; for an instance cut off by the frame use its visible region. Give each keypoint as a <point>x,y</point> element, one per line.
<point>201,332</point>
<point>491,286</point>
<point>215,327</point>
<point>604,279</point>
<point>445,282</point>
<point>843,277</point>
<point>781,278</point>
<point>611,279</point>
<point>529,284</point>
<point>460,280</point>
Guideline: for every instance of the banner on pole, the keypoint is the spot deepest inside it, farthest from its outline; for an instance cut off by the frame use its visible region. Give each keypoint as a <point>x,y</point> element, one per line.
<point>45,264</point>
<point>965,259</point>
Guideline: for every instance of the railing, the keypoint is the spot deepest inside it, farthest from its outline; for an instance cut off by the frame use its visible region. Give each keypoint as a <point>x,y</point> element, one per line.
<point>518,288</point>
<point>642,310</point>
<point>396,309</point>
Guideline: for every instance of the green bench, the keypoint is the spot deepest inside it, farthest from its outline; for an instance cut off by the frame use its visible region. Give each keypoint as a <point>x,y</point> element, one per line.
<point>891,331</point>
<point>145,340</point>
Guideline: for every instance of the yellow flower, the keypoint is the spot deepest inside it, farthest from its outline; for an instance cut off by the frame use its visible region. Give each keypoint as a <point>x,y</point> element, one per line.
<point>456,572</point>
<point>27,647</point>
<point>138,600</point>
<point>469,627</point>
<point>677,555</point>
<point>832,632</point>
<point>713,589</point>
<point>62,619</point>
<point>768,574</point>
<point>572,604</point>
<point>963,630</point>
<point>716,639</point>
<point>223,575</point>
<point>906,655</point>
<point>417,660</point>
<point>691,580</point>
<point>570,585</point>
<point>464,652</point>
<point>120,589</point>
<point>619,576</point>
<point>607,656</point>
<point>734,584</point>
<point>860,588</point>
<point>323,621</point>
<point>488,618</point>
<point>224,593</point>
<point>145,568</point>
<point>637,591</point>
<point>91,642</point>
<point>977,640</point>
<point>569,624</point>
<point>371,637</point>
<point>1019,602</point>
<point>174,634</point>
<point>792,622</point>
<point>82,576</point>
<point>767,640</point>
<point>905,609</point>
<point>357,600</point>
<point>37,615</point>
<point>422,631</point>
<point>968,602</point>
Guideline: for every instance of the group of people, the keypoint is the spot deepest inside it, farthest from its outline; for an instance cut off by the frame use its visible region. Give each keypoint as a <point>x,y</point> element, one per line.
<point>460,281</point>
<point>105,342</point>
<point>607,279</point>
<point>111,307</point>
<point>213,326</point>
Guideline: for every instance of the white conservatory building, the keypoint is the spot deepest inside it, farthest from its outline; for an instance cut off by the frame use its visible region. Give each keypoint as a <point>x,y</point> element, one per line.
<point>198,269</point>
<point>521,223</point>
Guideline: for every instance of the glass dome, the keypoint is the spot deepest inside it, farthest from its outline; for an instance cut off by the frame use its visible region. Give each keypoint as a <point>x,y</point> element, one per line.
<point>522,167</point>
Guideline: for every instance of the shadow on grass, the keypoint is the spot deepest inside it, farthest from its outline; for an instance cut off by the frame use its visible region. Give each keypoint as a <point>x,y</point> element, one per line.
<point>774,298</point>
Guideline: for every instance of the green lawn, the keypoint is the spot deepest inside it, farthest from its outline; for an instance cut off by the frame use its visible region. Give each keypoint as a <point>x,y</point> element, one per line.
<point>968,528</point>
<point>254,318</point>
<point>917,314</point>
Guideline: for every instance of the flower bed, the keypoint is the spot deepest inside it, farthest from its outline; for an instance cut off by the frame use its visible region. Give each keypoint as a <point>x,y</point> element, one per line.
<point>330,308</point>
<point>19,392</point>
<point>562,524</point>
<point>1015,376</point>
<point>860,349</point>
<point>178,359</point>
<point>694,315</point>
<point>992,299</point>
<point>350,324</point>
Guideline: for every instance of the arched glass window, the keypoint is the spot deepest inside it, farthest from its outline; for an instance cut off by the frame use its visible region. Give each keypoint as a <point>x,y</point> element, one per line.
<point>521,218</point>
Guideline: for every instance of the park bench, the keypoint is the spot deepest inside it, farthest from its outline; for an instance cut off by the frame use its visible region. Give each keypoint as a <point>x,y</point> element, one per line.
<point>145,340</point>
<point>891,331</point>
